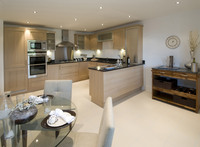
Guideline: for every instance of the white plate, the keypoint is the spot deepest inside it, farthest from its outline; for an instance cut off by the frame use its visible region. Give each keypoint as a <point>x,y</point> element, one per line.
<point>60,121</point>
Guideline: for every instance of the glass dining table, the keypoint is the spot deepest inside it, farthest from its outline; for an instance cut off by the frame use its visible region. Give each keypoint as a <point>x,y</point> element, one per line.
<point>37,132</point>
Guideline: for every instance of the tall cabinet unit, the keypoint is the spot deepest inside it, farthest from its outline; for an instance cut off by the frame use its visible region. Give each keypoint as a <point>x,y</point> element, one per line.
<point>15,60</point>
<point>134,39</point>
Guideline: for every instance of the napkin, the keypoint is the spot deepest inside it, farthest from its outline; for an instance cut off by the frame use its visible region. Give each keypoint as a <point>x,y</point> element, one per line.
<point>37,100</point>
<point>67,117</point>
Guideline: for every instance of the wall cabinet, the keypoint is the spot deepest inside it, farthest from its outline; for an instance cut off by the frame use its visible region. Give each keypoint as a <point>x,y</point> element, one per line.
<point>51,43</point>
<point>119,39</point>
<point>15,60</point>
<point>134,40</point>
<point>83,41</point>
<point>168,86</point>
<point>94,44</point>
<point>35,34</point>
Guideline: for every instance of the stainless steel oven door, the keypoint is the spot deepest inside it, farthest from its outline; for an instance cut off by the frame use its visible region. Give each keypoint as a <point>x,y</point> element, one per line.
<point>37,70</point>
<point>37,65</point>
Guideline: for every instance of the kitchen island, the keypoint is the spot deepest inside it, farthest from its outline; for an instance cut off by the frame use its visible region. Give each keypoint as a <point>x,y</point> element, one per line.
<point>115,82</point>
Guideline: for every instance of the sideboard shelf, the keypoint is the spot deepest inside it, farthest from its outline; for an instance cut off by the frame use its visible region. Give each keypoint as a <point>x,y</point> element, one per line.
<point>178,87</point>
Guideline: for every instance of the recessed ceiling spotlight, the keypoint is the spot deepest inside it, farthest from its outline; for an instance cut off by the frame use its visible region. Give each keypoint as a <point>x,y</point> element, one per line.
<point>61,26</point>
<point>177,3</point>
<point>27,22</point>
<point>129,16</point>
<point>34,12</point>
<point>75,19</point>
<point>100,7</point>
<point>102,24</point>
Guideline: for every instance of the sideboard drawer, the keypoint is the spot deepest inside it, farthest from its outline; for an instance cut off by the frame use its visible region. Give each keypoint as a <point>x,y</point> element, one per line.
<point>186,76</point>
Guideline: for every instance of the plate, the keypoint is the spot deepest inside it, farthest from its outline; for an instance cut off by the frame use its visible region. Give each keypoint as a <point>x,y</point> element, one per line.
<point>59,124</point>
<point>49,96</point>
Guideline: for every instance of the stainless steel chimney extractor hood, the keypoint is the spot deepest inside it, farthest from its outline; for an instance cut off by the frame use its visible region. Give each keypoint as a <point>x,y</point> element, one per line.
<point>65,40</point>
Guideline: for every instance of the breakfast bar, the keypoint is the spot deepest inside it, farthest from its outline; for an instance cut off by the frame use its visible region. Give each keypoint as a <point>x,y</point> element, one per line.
<point>114,81</point>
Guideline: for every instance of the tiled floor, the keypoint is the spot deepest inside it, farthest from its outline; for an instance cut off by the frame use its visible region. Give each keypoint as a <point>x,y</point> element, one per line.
<point>139,120</point>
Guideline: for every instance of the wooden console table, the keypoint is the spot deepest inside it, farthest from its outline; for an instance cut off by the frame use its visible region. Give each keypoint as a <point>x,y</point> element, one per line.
<point>177,86</point>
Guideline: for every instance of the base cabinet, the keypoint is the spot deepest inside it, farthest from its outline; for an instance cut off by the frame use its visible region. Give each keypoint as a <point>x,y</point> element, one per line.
<point>177,88</point>
<point>35,84</point>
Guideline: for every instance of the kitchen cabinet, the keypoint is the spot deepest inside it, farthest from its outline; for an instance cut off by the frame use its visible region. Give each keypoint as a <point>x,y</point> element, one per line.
<point>134,43</point>
<point>35,84</point>
<point>15,60</point>
<point>83,41</point>
<point>92,64</point>
<point>35,34</point>
<point>168,86</point>
<point>94,44</point>
<point>51,44</point>
<point>69,71</point>
<point>83,70</point>
<point>53,72</point>
<point>119,39</point>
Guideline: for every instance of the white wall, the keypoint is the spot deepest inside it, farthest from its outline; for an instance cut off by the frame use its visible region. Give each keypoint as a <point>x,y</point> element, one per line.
<point>1,58</point>
<point>155,33</point>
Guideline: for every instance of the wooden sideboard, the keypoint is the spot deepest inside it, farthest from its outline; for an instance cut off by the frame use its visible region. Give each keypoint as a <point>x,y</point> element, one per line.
<point>179,87</point>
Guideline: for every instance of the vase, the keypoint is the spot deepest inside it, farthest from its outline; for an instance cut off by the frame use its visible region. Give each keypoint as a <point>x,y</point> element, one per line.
<point>189,64</point>
<point>6,109</point>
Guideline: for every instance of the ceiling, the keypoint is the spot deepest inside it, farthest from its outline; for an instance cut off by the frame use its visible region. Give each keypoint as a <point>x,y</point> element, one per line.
<point>86,15</point>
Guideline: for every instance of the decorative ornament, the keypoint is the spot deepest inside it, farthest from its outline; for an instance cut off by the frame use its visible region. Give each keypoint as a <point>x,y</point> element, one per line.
<point>172,42</point>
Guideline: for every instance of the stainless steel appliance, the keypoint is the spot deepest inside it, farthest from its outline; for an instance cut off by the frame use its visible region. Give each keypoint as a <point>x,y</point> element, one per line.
<point>36,45</point>
<point>65,49</point>
<point>37,64</point>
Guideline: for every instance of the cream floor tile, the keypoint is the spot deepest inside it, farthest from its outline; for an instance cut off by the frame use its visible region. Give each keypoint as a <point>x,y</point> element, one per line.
<point>139,120</point>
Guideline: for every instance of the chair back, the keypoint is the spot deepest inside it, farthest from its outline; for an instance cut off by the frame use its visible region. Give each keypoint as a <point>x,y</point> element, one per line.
<point>106,130</point>
<point>60,88</point>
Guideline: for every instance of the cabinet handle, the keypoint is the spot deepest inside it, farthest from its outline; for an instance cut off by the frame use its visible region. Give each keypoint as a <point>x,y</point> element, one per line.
<point>162,72</point>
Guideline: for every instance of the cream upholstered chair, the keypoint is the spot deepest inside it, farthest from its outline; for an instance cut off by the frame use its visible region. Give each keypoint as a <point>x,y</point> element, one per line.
<point>102,139</point>
<point>60,88</point>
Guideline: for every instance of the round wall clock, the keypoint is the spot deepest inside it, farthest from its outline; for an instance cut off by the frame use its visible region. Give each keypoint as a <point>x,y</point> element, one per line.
<point>172,42</point>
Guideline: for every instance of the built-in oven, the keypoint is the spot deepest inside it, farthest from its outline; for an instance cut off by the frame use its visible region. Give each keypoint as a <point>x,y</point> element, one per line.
<point>37,64</point>
<point>36,46</point>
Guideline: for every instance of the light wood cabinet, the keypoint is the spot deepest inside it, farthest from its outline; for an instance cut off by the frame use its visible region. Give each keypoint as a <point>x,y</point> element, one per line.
<point>119,39</point>
<point>34,34</point>
<point>134,43</point>
<point>92,64</point>
<point>69,71</point>
<point>16,79</point>
<point>15,60</point>
<point>83,41</point>
<point>53,72</point>
<point>83,71</point>
<point>94,44</point>
<point>35,84</point>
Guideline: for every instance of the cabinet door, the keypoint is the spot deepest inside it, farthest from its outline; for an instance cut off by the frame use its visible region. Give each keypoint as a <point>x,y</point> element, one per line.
<point>51,45</point>
<point>93,42</point>
<point>15,60</point>
<point>92,64</point>
<point>16,79</point>
<point>83,70</point>
<point>35,84</point>
<point>36,35</point>
<point>14,48</point>
<point>69,71</point>
<point>119,39</point>
<point>134,43</point>
<point>87,42</point>
<point>53,72</point>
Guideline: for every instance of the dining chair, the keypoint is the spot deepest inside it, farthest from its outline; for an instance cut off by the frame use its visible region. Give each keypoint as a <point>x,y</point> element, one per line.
<point>59,88</point>
<point>103,138</point>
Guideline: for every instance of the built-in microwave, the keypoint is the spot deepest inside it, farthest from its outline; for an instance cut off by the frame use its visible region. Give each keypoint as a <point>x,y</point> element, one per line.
<point>36,45</point>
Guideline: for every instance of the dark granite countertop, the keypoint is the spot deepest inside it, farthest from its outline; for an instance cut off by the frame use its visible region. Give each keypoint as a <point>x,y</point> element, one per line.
<point>100,60</point>
<point>177,69</point>
<point>107,68</point>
